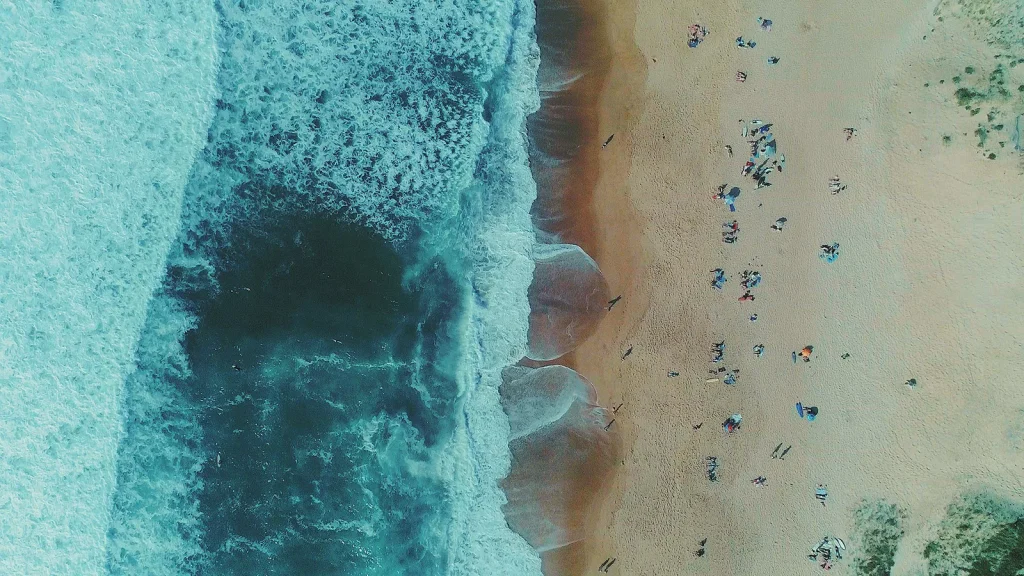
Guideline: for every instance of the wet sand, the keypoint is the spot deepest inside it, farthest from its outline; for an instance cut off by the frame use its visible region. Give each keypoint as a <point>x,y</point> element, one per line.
<point>587,78</point>
<point>922,288</point>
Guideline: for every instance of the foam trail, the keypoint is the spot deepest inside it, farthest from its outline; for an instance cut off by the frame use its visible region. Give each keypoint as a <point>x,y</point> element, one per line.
<point>561,453</point>
<point>103,108</point>
<point>568,296</point>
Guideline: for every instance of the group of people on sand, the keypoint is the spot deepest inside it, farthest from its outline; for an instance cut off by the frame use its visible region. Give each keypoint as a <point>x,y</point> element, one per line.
<point>764,160</point>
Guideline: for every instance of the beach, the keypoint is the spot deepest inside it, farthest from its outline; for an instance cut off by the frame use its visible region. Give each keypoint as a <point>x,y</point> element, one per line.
<point>924,290</point>
<point>303,287</point>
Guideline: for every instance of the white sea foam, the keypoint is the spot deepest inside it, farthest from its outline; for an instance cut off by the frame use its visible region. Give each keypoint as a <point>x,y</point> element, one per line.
<point>481,542</point>
<point>359,108</point>
<point>103,106</point>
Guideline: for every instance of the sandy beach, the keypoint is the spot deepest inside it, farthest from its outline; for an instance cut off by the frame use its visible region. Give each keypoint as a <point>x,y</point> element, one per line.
<point>926,285</point>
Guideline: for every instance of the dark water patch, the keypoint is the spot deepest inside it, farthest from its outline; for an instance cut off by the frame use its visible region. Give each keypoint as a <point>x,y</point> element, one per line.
<point>323,381</point>
<point>1003,553</point>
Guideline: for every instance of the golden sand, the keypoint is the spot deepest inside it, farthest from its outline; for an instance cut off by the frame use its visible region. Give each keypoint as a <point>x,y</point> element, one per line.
<point>927,285</point>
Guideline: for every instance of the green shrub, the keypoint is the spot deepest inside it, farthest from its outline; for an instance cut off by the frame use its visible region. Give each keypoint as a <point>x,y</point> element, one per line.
<point>879,529</point>
<point>981,535</point>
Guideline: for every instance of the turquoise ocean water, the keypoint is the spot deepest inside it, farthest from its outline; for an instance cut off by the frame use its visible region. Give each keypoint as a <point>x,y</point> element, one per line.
<point>270,259</point>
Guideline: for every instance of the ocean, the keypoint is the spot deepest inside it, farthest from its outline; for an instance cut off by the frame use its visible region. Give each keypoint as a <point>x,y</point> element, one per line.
<point>316,389</point>
<point>271,258</point>
<point>265,266</point>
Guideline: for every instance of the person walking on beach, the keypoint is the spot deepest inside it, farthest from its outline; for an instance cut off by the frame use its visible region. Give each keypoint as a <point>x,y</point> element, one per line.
<point>613,302</point>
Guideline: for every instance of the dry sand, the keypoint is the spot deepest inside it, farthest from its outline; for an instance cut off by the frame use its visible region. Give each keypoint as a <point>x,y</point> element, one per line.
<point>928,284</point>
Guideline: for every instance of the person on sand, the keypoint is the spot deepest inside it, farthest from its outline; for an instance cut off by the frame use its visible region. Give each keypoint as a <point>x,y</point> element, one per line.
<point>821,493</point>
<point>718,282</point>
<point>779,224</point>
<point>730,379</point>
<point>805,353</point>
<point>697,34</point>
<point>747,297</point>
<point>829,252</point>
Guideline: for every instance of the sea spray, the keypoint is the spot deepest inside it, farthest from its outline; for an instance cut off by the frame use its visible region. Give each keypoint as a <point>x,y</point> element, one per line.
<point>103,107</point>
<point>498,317</point>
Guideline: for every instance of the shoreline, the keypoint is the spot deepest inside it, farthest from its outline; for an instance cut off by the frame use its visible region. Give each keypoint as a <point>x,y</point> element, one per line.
<point>585,191</point>
<point>601,219</point>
